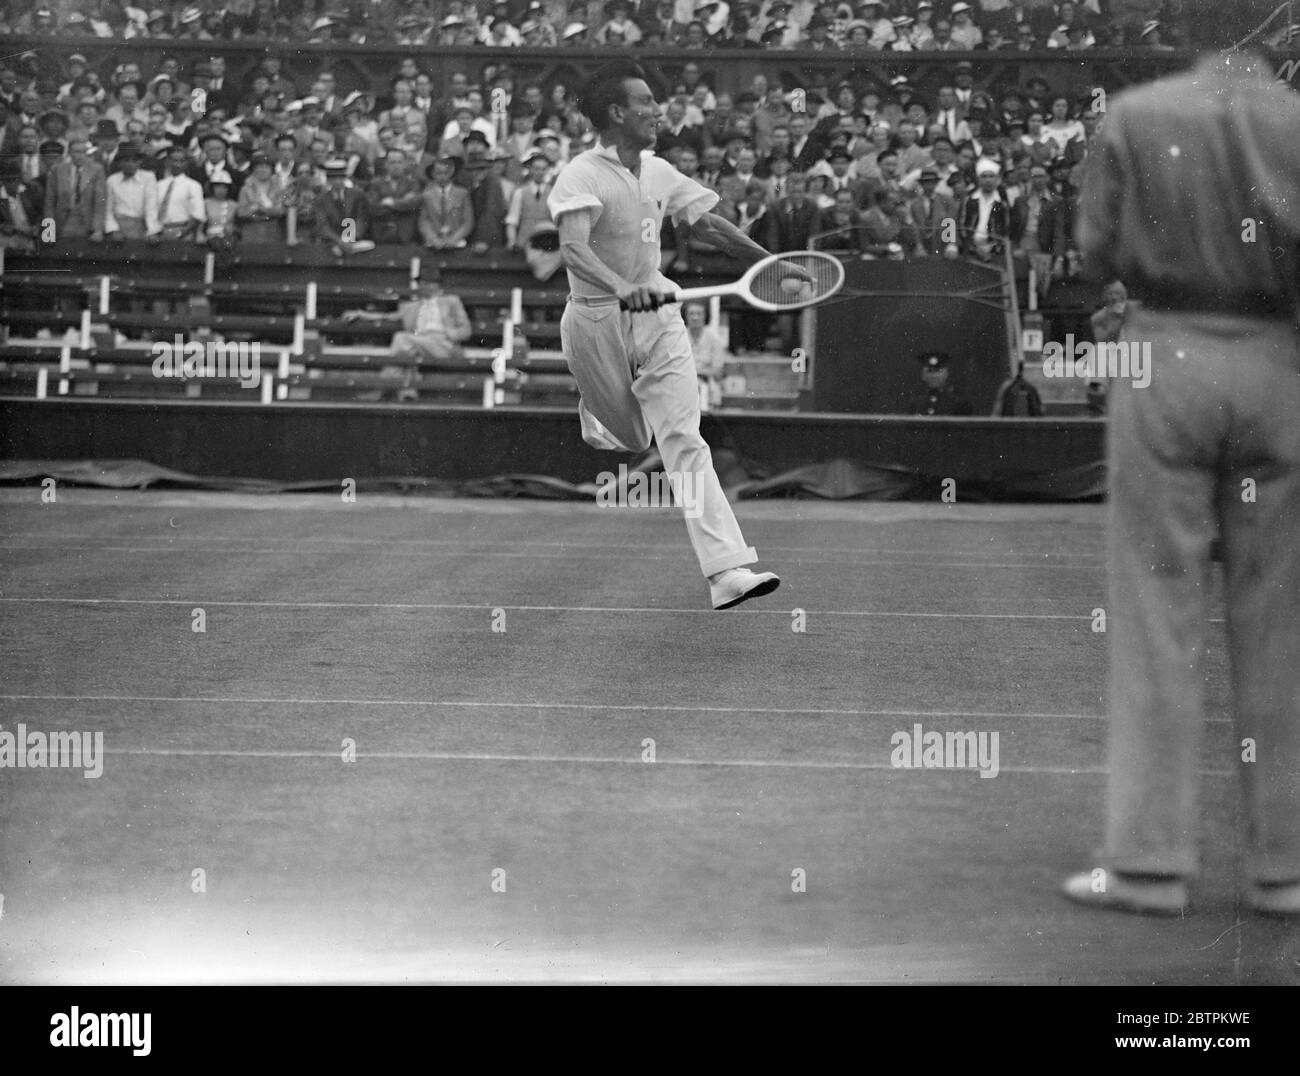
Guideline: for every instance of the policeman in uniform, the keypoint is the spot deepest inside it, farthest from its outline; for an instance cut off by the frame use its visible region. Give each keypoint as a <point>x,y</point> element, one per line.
<point>939,397</point>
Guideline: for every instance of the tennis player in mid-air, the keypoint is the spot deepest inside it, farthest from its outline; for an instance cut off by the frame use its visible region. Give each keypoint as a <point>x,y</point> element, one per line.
<point>624,341</point>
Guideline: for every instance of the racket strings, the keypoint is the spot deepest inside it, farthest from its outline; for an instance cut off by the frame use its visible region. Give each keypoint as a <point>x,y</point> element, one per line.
<point>774,283</point>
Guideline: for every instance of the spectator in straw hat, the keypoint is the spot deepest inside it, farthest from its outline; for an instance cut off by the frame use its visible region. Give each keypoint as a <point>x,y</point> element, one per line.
<point>575,35</point>
<point>412,29</point>
<point>448,31</point>
<point>189,25</point>
<point>158,25</point>
<point>1150,36</point>
<point>920,34</point>
<point>964,33</point>
<point>882,29</point>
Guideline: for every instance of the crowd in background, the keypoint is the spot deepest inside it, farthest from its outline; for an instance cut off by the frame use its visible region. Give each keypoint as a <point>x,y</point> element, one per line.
<point>893,25</point>
<point>867,169</point>
<point>158,149</point>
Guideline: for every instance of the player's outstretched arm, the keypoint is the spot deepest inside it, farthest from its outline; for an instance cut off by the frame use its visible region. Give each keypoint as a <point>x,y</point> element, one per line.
<point>721,233</point>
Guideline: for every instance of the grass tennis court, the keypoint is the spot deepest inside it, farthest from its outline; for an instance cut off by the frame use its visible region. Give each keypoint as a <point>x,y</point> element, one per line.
<point>521,751</point>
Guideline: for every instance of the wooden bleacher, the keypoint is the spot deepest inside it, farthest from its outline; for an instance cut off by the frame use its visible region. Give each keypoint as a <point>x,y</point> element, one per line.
<point>81,319</point>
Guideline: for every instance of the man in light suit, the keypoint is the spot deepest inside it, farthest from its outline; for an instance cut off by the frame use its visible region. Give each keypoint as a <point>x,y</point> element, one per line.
<point>74,195</point>
<point>935,217</point>
<point>434,325</point>
<point>446,217</point>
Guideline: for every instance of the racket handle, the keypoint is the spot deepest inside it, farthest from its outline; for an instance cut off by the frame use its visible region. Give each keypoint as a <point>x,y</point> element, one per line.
<point>668,297</point>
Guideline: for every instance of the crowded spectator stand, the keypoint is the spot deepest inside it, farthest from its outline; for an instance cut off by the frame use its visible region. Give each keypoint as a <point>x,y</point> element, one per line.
<point>326,153</point>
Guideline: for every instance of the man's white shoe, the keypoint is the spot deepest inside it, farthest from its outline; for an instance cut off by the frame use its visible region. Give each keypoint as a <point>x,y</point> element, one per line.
<point>736,585</point>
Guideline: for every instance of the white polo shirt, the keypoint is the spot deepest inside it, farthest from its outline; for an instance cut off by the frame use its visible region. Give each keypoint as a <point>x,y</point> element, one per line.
<point>621,205</point>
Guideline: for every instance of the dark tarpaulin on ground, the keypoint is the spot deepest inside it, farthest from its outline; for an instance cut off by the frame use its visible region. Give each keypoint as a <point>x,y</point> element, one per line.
<point>837,479</point>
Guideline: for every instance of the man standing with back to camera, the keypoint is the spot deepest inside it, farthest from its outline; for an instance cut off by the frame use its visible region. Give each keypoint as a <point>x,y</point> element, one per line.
<point>633,366</point>
<point>1191,197</point>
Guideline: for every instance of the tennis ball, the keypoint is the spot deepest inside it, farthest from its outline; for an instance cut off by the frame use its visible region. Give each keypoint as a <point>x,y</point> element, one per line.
<point>793,285</point>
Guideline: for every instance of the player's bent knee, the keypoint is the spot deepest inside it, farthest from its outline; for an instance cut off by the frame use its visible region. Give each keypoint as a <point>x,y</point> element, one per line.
<point>691,450</point>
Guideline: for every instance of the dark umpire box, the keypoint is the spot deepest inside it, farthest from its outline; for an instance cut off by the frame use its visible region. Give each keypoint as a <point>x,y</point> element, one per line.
<point>865,348</point>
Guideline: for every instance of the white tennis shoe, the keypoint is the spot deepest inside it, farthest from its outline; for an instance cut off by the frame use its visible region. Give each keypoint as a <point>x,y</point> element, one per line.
<point>736,585</point>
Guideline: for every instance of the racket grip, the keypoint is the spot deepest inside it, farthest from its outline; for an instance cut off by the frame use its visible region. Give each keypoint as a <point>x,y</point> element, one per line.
<point>668,297</point>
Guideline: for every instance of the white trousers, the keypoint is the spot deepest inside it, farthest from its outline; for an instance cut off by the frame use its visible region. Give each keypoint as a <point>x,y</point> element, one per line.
<point>637,378</point>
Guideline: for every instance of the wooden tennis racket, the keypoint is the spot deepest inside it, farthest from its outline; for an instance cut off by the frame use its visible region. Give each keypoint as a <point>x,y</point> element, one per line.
<point>778,283</point>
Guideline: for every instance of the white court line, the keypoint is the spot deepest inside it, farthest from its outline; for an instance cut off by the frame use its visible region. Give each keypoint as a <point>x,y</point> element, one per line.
<point>470,551</point>
<point>488,607</point>
<point>681,554</point>
<point>623,548</point>
<point>449,756</point>
<point>600,707</point>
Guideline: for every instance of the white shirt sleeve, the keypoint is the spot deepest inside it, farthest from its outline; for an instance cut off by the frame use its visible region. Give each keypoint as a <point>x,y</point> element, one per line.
<point>687,200</point>
<point>568,195</point>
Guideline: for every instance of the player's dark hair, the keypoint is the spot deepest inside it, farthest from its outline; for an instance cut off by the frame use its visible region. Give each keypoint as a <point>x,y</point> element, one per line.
<point>607,86</point>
